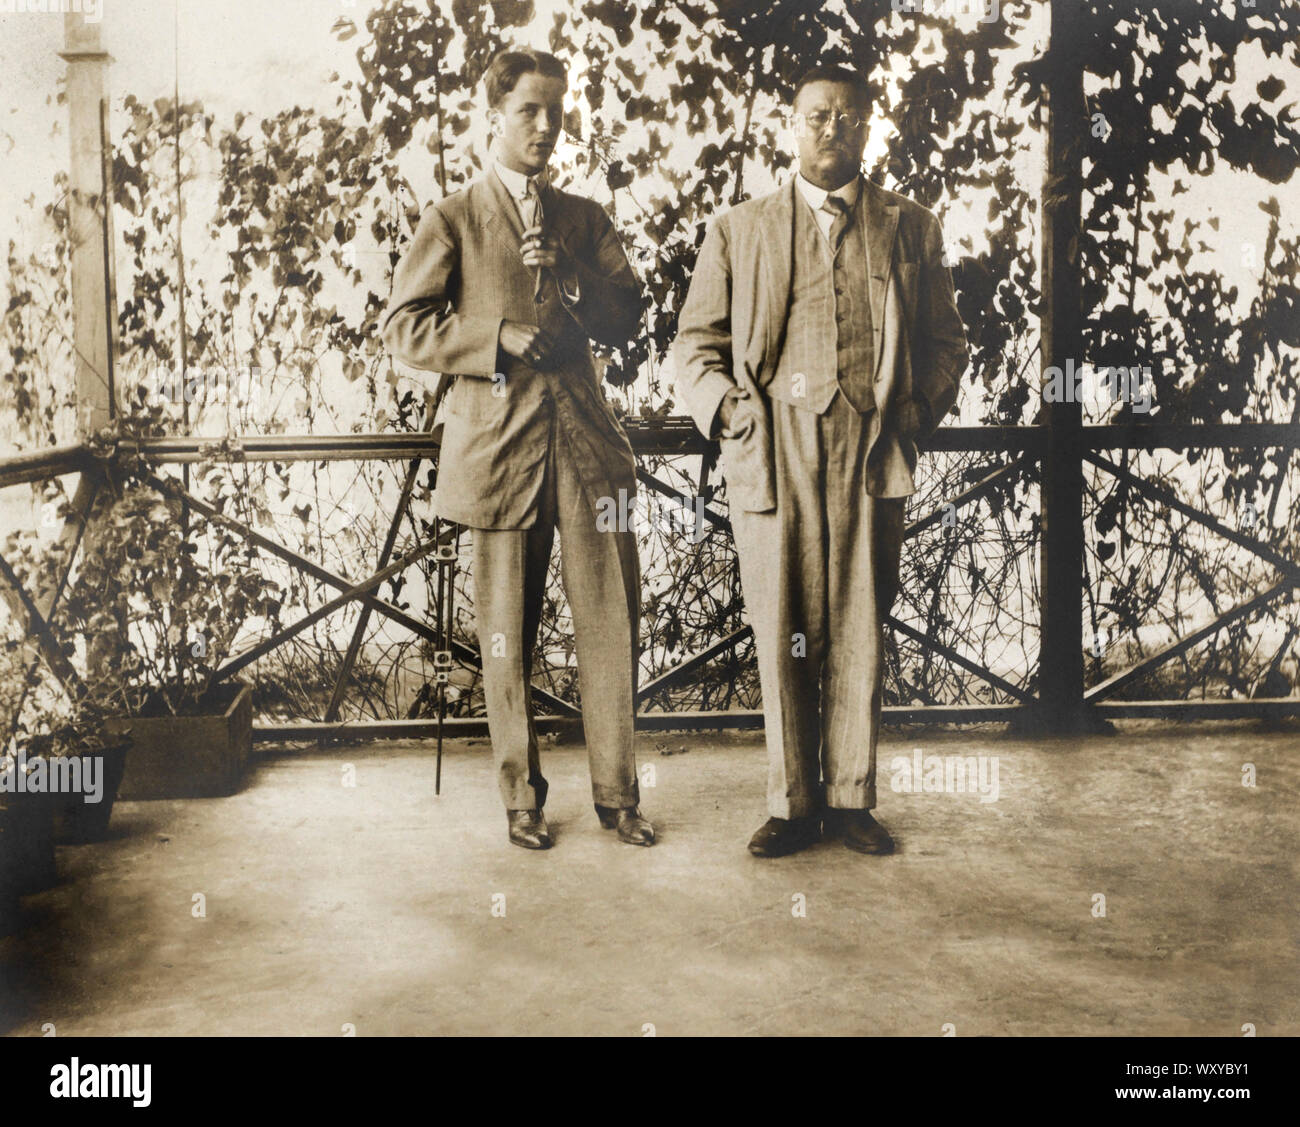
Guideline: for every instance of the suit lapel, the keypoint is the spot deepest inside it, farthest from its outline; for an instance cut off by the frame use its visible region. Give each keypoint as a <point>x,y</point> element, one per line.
<point>560,221</point>
<point>881,219</point>
<point>778,263</point>
<point>501,216</point>
<point>499,212</point>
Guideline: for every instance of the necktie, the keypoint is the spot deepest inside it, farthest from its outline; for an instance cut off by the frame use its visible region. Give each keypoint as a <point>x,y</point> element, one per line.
<point>840,210</point>
<point>531,214</point>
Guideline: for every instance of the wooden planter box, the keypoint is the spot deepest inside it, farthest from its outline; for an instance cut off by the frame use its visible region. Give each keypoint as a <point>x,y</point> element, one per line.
<point>198,756</point>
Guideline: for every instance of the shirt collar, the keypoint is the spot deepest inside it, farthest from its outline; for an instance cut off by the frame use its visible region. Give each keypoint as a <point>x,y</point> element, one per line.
<point>516,183</point>
<point>817,196</point>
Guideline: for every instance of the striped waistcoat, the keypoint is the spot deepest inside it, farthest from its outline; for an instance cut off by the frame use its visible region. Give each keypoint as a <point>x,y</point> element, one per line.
<point>828,335</point>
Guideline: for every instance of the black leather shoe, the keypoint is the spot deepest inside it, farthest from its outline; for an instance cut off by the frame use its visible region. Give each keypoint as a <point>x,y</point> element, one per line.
<point>862,833</point>
<point>528,829</point>
<point>779,837</point>
<point>632,828</point>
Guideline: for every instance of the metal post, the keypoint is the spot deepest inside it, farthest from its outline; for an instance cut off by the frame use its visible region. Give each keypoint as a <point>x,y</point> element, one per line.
<point>1060,705</point>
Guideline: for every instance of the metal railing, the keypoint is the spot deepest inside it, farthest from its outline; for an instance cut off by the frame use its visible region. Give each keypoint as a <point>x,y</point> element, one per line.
<point>677,436</point>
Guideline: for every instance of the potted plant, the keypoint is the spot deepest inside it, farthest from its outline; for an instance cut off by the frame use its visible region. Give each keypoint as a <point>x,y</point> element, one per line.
<point>158,597</point>
<point>26,839</point>
<point>59,776</point>
<point>26,848</point>
<point>84,763</point>
<point>26,814</point>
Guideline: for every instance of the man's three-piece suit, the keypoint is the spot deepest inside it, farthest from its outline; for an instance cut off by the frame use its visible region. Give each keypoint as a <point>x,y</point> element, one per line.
<point>527,451</point>
<point>828,316</point>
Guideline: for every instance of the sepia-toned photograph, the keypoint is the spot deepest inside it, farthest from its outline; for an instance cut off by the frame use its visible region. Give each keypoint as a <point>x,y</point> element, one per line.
<point>702,519</point>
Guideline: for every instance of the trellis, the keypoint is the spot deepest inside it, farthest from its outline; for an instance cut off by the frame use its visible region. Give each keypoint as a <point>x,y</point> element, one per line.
<point>1060,447</point>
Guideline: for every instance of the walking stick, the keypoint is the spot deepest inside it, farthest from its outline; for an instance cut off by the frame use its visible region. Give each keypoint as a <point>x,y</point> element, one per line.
<point>446,558</point>
<point>447,555</point>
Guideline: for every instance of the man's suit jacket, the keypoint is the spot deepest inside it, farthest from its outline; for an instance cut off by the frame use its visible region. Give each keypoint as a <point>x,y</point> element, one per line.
<point>462,275</point>
<point>732,327</point>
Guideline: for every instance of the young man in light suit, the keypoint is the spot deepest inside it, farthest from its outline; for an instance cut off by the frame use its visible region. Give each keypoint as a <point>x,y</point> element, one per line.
<point>504,285</point>
<point>819,340</point>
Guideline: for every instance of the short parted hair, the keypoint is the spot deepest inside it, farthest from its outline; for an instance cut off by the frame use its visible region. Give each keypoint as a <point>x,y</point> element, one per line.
<point>833,72</point>
<point>508,67</point>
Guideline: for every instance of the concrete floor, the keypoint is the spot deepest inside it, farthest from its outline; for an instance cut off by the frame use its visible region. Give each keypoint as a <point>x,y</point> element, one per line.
<point>372,905</point>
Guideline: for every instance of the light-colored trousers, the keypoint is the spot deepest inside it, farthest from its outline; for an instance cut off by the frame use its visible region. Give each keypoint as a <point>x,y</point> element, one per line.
<point>601,575</point>
<point>819,574</point>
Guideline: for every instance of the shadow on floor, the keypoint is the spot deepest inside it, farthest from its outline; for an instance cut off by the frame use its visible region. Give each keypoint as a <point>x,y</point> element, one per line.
<point>302,904</point>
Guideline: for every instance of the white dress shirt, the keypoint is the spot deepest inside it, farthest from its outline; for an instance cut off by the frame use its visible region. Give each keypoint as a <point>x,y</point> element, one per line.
<point>816,197</point>
<point>516,186</point>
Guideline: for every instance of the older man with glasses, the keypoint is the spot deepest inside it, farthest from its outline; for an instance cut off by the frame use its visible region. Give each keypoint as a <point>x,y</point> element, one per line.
<point>819,341</point>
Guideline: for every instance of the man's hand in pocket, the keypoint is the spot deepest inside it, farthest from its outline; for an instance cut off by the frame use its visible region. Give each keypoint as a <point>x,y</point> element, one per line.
<point>731,412</point>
